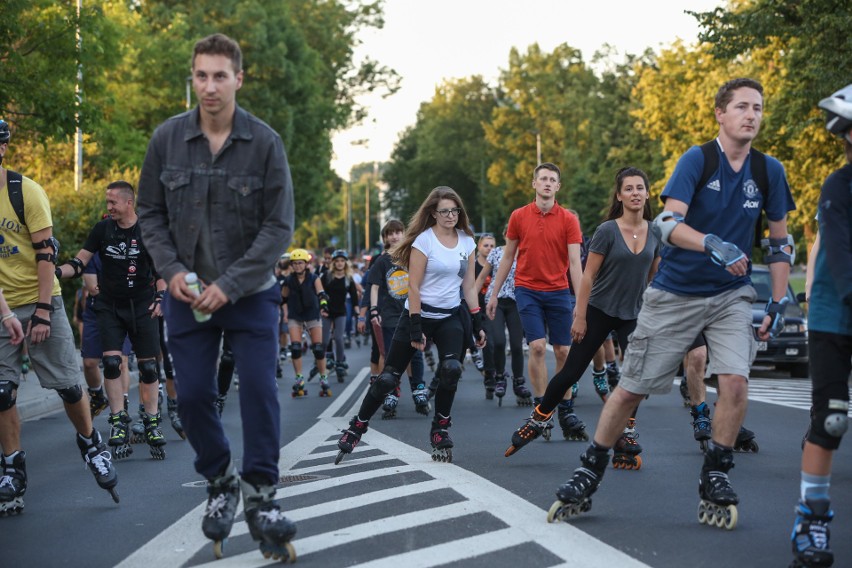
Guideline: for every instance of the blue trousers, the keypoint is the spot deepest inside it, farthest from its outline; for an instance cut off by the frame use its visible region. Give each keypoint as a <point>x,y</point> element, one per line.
<point>251,327</point>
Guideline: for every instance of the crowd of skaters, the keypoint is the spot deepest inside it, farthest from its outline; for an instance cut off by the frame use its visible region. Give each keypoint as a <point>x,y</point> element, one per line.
<point>264,301</point>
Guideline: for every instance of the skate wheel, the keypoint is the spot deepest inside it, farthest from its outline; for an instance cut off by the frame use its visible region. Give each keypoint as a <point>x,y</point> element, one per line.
<point>703,445</point>
<point>728,515</point>
<point>702,513</point>
<point>219,548</point>
<point>638,462</point>
<point>510,450</point>
<point>720,516</point>
<point>546,435</point>
<point>339,457</point>
<point>113,492</point>
<point>499,401</point>
<point>291,554</point>
<point>554,514</point>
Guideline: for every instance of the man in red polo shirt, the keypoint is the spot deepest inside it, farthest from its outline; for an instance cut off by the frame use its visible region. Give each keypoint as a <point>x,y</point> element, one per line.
<point>546,238</point>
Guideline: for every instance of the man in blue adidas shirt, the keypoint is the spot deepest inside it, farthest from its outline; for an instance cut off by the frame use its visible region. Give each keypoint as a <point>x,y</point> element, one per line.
<point>692,293</point>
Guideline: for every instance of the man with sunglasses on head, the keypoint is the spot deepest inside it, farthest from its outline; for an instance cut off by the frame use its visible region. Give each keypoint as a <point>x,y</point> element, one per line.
<point>547,240</point>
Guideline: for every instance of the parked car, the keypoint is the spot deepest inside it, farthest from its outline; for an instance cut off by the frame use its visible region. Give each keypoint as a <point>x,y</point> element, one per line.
<point>788,351</point>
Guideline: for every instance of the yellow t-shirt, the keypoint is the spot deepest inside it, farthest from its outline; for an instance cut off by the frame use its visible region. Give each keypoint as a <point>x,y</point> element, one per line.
<point>18,272</point>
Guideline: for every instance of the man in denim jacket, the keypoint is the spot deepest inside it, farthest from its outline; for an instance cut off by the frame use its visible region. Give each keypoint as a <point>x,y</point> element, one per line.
<point>216,198</point>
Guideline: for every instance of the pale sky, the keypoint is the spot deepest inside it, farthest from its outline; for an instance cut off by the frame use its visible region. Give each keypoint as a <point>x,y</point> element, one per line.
<point>427,41</point>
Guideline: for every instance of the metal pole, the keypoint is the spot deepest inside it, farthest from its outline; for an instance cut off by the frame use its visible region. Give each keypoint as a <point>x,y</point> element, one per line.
<point>537,147</point>
<point>78,97</point>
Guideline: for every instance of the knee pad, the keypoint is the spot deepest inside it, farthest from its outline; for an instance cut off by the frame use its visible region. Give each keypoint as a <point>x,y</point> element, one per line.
<point>71,395</point>
<point>449,373</point>
<point>149,373</point>
<point>318,349</point>
<point>8,396</point>
<point>385,383</point>
<point>296,350</point>
<point>829,424</point>
<point>112,366</point>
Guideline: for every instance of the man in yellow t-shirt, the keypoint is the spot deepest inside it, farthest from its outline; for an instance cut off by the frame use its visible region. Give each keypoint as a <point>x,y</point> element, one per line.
<point>27,263</point>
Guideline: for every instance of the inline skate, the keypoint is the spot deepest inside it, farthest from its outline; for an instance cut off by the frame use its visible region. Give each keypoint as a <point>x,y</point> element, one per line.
<point>299,388</point>
<point>442,445</point>
<point>702,426</point>
<point>172,407</point>
<point>154,436</point>
<point>573,428</point>
<point>684,392</point>
<point>267,524</point>
<point>97,401</point>
<point>99,460</point>
<point>601,385</point>
<point>430,358</point>
<point>489,381</point>
<point>500,388</point>
<point>718,505</point>
<point>811,534</point>
<point>324,388</point>
<point>575,495</point>
<point>613,375</point>
<point>433,387</point>
<point>627,449</point>
<point>533,427</point>
<point>13,483</point>
<point>118,441</point>
<point>313,372</point>
<point>350,437</point>
<point>390,403</point>
<point>223,496</point>
<point>745,441</point>
<point>342,369</point>
<point>421,400</point>
<point>476,357</point>
<point>547,433</point>
<point>220,403</point>
<point>523,396</point>
<point>137,429</point>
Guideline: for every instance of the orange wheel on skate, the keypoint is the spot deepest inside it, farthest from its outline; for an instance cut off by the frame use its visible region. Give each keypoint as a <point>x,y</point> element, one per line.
<point>638,462</point>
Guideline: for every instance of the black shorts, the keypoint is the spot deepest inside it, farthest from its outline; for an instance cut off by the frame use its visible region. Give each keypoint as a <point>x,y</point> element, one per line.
<point>128,318</point>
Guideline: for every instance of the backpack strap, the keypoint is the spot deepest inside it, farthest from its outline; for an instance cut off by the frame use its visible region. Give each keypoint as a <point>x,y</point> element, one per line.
<point>711,164</point>
<point>761,178</point>
<point>15,186</point>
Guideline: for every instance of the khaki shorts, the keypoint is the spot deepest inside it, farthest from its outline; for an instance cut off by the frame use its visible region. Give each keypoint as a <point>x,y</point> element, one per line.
<point>667,326</point>
<point>299,324</point>
<point>56,362</point>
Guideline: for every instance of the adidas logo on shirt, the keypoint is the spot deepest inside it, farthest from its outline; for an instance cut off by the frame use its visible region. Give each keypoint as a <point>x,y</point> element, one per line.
<point>714,185</point>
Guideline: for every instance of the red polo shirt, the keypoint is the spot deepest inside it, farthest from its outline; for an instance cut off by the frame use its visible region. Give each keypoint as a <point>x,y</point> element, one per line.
<point>543,240</point>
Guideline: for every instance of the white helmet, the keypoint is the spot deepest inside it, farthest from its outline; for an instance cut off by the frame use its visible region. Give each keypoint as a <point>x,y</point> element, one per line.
<point>839,111</point>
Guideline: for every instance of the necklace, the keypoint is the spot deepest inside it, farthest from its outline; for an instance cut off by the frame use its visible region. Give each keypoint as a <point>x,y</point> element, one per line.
<point>634,236</point>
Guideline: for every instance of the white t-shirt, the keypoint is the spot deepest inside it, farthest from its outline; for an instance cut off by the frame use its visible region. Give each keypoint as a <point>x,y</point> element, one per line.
<point>445,270</point>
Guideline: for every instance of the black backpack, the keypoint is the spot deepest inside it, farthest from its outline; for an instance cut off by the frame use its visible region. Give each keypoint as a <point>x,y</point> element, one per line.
<point>15,185</point>
<point>758,170</point>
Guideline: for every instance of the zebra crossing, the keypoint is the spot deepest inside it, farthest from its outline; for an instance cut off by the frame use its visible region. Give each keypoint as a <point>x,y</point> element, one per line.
<point>793,393</point>
<point>388,504</point>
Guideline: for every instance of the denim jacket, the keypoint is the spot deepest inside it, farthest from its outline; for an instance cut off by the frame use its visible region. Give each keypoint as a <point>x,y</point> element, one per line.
<point>246,188</point>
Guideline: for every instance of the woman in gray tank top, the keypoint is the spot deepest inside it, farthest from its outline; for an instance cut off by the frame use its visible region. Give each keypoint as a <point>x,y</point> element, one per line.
<point>623,257</point>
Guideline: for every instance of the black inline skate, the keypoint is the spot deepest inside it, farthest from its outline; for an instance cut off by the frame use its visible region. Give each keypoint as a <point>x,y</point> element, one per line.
<point>267,524</point>
<point>223,496</point>
<point>573,428</point>
<point>433,387</point>
<point>350,437</point>
<point>489,381</point>
<point>601,385</point>
<point>220,403</point>
<point>137,429</point>
<point>548,430</point>
<point>313,372</point>
<point>342,369</point>
<point>811,534</point>
<point>627,449</point>
<point>684,392</point>
<point>299,388</point>
<point>97,401</point>
<point>442,445</point>
<point>500,388</point>
<point>745,441</point>
<point>613,375</point>
<point>702,426</point>
<point>533,427</point>
<point>420,395</point>
<point>118,437</point>
<point>154,436</point>
<point>718,505</point>
<point>172,407</point>
<point>476,357</point>
<point>13,483</point>
<point>575,495</point>
<point>523,396</point>
<point>390,403</point>
<point>324,388</point>
<point>99,460</point>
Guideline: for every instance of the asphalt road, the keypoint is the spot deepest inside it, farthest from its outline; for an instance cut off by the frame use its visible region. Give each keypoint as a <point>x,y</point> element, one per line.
<point>389,504</point>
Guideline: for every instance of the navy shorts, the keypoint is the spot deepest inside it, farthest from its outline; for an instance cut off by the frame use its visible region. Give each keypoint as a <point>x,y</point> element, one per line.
<point>90,346</point>
<point>546,314</point>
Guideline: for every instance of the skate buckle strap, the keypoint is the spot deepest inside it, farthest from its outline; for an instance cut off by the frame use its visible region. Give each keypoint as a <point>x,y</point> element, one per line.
<point>6,481</point>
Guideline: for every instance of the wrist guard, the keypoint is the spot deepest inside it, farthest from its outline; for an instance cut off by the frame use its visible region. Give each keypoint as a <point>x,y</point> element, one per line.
<point>416,328</point>
<point>47,307</point>
<point>35,320</point>
<point>775,310</point>
<point>476,322</point>
<point>374,312</point>
<point>722,253</point>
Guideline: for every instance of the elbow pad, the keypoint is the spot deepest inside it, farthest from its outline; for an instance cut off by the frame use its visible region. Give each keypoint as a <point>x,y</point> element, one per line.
<point>779,250</point>
<point>664,224</point>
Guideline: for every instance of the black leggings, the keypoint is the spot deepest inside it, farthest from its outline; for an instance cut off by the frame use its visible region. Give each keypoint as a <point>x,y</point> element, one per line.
<point>447,334</point>
<point>598,327</point>
<point>505,317</point>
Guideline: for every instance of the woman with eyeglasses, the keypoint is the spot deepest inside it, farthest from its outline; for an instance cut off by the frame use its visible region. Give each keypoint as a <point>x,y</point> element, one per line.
<point>438,250</point>
<point>484,358</point>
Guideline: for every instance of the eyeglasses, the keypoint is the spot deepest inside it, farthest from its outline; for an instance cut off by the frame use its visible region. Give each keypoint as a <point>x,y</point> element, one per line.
<point>455,211</point>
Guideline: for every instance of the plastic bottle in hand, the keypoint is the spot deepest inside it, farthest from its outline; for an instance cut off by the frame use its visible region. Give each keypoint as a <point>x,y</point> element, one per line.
<point>193,283</point>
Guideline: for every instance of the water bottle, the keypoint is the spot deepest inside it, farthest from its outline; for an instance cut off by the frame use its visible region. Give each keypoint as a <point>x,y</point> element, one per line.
<point>194,285</point>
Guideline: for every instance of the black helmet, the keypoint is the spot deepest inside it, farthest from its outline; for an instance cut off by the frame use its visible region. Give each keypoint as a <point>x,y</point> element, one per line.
<point>4,131</point>
<point>839,111</point>
<point>340,253</point>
